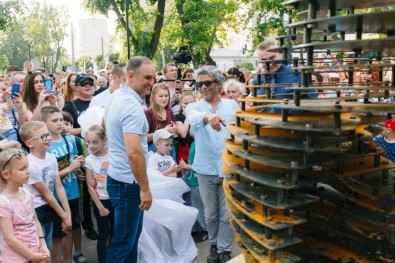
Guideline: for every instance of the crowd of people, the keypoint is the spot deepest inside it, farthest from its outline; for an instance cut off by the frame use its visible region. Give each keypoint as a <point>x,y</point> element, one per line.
<point>142,149</point>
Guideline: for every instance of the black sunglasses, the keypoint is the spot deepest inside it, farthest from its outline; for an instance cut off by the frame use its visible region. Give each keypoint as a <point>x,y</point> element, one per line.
<point>206,83</point>
<point>84,84</point>
<point>44,137</point>
<point>17,154</point>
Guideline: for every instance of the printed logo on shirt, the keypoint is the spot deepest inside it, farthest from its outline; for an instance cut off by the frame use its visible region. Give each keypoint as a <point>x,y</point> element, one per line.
<point>164,165</point>
<point>101,177</point>
<point>48,179</point>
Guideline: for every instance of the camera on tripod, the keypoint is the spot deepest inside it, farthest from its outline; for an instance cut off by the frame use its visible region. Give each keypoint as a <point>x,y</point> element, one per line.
<point>183,55</point>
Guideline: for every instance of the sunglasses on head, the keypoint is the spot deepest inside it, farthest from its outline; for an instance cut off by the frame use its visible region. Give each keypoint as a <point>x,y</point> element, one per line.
<point>88,83</point>
<point>206,83</point>
<point>17,154</point>
<point>44,137</point>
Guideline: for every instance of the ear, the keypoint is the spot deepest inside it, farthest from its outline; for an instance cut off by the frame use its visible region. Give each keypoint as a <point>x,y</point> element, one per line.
<point>5,174</point>
<point>29,143</point>
<point>129,75</point>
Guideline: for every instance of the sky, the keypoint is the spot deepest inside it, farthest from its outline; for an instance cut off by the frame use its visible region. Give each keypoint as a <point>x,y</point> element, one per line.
<point>76,12</point>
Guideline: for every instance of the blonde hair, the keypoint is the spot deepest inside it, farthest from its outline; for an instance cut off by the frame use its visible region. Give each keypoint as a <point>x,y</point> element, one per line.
<point>5,156</point>
<point>98,130</point>
<point>29,127</point>
<point>154,106</point>
<point>186,94</point>
<point>6,159</point>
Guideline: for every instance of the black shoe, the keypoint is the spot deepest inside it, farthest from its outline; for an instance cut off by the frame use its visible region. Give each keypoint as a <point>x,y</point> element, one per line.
<point>224,256</point>
<point>195,234</point>
<point>213,256</point>
<point>202,236</point>
<point>91,234</point>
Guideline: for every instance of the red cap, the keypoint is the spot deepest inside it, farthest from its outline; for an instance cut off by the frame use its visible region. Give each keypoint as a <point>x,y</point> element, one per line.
<point>389,124</point>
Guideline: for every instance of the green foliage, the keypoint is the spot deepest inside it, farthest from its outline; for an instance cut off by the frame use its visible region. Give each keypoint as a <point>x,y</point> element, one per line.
<point>100,61</point>
<point>203,21</point>
<point>43,26</point>
<point>13,45</point>
<point>10,11</point>
<point>3,63</point>
<point>85,62</point>
<point>145,22</point>
<point>247,65</point>
<point>199,24</point>
<point>113,56</point>
<point>46,25</point>
<point>270,18</point>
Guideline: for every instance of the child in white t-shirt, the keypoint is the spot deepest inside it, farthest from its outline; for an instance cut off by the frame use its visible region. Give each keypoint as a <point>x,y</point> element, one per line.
<point>161,160</point>
<point>96,165</point>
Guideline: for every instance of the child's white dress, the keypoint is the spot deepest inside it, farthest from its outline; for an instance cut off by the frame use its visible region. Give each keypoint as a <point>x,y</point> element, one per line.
<point>166,235</point>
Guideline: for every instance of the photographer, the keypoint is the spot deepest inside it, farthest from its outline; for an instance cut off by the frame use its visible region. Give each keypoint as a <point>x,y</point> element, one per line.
<point>169,79</point>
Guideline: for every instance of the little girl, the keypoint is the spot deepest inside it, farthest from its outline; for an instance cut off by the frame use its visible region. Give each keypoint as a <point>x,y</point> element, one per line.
<point>96,165</point>
<point>6,105</point>
<point>160,115</point>
<point>185,140</point>
<point>23,237</point>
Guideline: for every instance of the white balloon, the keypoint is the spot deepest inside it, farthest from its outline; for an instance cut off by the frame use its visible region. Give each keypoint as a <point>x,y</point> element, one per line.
<point>93,115</point>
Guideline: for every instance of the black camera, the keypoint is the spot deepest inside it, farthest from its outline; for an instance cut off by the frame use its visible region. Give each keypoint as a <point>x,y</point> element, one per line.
<point>183,55</point>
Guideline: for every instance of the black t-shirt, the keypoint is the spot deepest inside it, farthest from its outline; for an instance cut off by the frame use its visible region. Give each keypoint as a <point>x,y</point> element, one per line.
<point>80,107</point>
<point>188,139</point>
<point>100,90</point>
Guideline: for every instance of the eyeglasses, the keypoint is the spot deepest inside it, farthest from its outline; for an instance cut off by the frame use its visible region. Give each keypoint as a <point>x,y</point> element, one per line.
<point>17,154</point>
<point>44,137</point>
<point>206,83</point>
<point>84,84</point>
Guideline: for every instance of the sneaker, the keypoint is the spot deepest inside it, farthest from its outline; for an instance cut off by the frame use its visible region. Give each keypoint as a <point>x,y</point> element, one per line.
<point>91,234</point>
<point>202,236</point>
<point>213,255</point>
<point>194,234</point>
<point>224,256</point>
<point>80,258</point>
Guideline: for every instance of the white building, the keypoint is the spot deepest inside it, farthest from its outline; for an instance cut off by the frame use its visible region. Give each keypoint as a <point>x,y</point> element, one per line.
<point>228,58</point>
<point>92,38</point>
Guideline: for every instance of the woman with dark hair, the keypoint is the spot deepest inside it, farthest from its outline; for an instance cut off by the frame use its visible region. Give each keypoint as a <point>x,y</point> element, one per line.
<point>188,74</point>
<point>237,74</point>
<point>34,97</point>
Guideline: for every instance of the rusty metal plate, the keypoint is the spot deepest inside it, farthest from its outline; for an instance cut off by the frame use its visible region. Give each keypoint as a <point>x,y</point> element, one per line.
<point>340,107</point>
<point>291,140</point>
<point>339,4</point>
<point>368,23</point>
<point>306,123</point>
<point>352,45</point>
<point>270,197</point>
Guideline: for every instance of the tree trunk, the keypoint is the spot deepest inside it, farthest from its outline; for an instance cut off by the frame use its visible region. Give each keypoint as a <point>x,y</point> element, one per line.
<point>123,22</point>
<point>158,27</point>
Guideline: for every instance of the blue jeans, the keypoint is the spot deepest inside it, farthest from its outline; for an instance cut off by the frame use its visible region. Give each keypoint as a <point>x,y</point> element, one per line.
<point>11,135</point>
<point>105,226</point>
<point>128,221</point>
<point>193,199</point>
<point>216,213</point>
<point>47,231</point>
